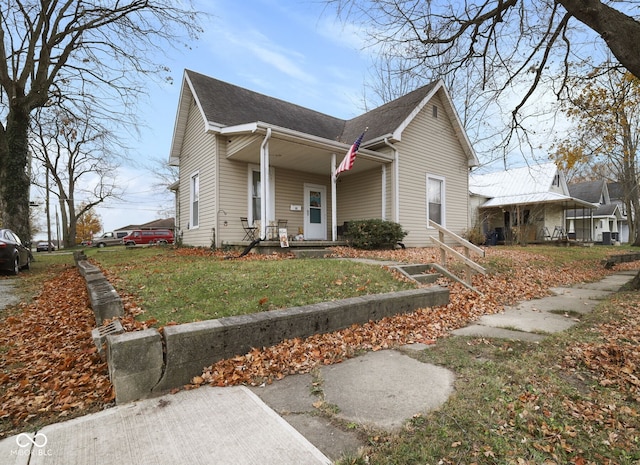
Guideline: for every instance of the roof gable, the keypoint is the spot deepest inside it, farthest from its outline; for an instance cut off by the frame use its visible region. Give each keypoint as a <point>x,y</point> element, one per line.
<point>222,105</point>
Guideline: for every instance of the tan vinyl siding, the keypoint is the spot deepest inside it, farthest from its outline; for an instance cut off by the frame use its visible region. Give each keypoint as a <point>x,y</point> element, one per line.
<point>197,155</point>
<point>290,191</point>
<point>234,196</point>
<point>429,146</point>
<point>360,196</point>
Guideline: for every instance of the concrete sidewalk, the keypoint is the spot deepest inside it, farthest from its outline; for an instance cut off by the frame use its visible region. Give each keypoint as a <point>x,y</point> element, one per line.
<point>203,426</point>
<point>239,425</point>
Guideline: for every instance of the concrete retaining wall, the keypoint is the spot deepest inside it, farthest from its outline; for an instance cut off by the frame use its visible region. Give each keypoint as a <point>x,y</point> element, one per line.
<point>105,301</point>
<point>146,363</point>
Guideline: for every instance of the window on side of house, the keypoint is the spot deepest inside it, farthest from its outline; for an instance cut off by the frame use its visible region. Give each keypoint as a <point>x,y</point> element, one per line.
<point>435,199</point>
<point>256,193</point>
<point>195,201</point>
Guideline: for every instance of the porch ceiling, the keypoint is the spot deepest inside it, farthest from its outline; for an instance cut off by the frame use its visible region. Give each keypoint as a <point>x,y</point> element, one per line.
<point>307,157</point>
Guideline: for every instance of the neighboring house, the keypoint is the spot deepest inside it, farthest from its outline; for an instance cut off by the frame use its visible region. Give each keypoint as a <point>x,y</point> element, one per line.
<point>165,223</point>
<point>603,224</point>
<point>244,154</point>
<point>523,205</point>
<point>616,195</point>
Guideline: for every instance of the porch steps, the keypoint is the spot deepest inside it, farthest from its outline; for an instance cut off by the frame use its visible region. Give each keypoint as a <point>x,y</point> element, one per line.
<point>429,273</point>
<point>421,273</point>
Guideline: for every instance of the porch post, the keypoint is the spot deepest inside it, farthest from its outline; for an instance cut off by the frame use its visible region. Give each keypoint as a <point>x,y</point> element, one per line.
<point>334,203</point>
<point>264,183</point>
<point>396,187</point>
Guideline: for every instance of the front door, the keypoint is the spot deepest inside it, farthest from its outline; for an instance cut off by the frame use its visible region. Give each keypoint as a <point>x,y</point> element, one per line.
<point>315,212</point>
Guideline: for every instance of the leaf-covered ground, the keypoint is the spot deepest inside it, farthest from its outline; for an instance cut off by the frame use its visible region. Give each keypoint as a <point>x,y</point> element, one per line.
<point>50,371</point>
<point>527,276</point>
<point>49,366</point>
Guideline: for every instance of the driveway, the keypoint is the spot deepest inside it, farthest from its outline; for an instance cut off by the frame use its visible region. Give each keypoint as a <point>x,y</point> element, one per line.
<point>8,294</point>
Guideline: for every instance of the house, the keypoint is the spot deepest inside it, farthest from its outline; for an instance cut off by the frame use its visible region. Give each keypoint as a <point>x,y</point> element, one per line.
<point>603,224</point>
<point>242,154</point>
<point>162,223</point>
<point>522,205</point>
<point>616,195</point>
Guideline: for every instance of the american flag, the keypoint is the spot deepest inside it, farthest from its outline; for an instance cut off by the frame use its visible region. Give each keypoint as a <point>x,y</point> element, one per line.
<point>350,157</point>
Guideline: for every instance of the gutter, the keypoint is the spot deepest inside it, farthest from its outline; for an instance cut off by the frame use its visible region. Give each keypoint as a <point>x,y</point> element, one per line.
<point>297,136</point>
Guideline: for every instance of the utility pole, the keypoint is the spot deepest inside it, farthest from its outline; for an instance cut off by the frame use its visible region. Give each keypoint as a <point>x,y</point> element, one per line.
<point>46,165</point>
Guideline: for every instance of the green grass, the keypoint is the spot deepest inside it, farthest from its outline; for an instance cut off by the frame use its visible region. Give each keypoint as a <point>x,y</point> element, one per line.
<point>176,288</point>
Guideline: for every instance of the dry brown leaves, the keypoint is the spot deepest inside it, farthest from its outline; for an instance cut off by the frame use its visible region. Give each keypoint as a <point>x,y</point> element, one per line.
<point>49,366</point>
<point>523,282</point>
<point>615,361</point>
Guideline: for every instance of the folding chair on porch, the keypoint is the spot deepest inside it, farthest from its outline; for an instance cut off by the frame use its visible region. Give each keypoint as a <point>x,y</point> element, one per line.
<point>249,231</point>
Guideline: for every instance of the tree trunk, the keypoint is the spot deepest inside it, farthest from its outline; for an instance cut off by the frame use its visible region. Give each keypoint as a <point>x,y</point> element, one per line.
<point>635,282</point>
<point>14,180</point>
<point>619,31</point>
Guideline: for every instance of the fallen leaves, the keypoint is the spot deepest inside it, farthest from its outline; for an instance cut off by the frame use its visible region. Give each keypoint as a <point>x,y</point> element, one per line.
<point>528,276</point>
<point>49,366</point>
<point>616,360</point>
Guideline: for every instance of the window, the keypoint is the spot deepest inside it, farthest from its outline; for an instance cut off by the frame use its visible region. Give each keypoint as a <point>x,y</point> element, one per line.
<point>195,201</point>
<point>435,111</point>
<point>435,199</point>
<point>255,195</point>
<point>556,180</point>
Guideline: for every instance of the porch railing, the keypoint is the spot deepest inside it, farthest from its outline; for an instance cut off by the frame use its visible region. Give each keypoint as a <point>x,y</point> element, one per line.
<point>469,265</point>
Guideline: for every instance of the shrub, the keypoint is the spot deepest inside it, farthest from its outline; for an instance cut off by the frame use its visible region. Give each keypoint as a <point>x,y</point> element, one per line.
<point>374,234</point>
<point>475,236</point>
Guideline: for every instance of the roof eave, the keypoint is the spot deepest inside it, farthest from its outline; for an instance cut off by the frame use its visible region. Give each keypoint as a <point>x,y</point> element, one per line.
<point>296,136</point>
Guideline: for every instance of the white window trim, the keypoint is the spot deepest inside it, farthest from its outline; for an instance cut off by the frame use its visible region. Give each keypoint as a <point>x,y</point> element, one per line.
<point>443,205</point>
<point>191,199</point>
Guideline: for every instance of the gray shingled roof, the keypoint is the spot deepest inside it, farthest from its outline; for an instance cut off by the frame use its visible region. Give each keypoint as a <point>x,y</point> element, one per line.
<point>603,210</point>
<point>616,191</point>
<point>229,105</point>
<point>591,191</point>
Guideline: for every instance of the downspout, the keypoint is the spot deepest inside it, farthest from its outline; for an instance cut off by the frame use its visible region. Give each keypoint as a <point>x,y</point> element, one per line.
<point>334,201</point>
<point>264,183</point>
<point>396,184</point>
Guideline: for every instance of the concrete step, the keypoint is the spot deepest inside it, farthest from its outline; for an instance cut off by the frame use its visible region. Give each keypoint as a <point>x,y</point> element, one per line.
<point>426,278</point>
<point>422,273</point>
<point>311,253</point>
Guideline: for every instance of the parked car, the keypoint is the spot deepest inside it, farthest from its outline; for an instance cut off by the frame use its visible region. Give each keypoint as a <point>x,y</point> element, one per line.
<point>152,236</point>
<point>108,238</point>
<point>44,246</point>
<point>14,255</point>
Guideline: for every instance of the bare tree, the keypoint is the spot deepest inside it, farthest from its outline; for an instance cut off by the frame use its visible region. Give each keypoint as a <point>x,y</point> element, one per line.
<point>164,175</point>
<point>515,49</point>
<point>101,50</point>
<point>81,158</point>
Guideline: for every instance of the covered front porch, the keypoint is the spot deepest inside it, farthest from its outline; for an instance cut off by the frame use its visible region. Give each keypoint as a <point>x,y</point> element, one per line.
<point>291,183</point>
<point>529,222</point>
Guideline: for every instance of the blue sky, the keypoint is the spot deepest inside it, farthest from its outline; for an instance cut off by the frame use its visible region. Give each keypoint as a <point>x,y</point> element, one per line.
<point>293,50</point>
<point>296,50</point>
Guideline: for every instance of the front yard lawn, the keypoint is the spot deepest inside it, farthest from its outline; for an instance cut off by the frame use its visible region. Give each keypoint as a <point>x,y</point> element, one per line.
<point>185,285</point>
